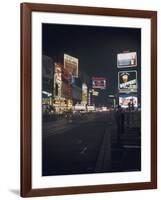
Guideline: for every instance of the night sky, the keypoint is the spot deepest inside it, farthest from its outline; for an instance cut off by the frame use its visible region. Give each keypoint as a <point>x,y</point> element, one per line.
<point>95,47</point>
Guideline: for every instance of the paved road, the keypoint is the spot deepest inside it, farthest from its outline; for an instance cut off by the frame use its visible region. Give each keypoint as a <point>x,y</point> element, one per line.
<point>63,125</point>
<point>89,145</point>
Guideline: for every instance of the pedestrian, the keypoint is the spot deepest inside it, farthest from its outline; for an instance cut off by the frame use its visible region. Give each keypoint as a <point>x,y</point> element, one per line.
<point>120,119</point>
<point>129,106</point>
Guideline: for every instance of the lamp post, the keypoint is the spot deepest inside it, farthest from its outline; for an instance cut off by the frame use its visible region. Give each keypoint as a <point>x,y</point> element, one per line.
<point>114,100</point>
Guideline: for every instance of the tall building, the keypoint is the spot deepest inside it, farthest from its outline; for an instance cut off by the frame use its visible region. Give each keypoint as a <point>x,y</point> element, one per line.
<point>47,79</point>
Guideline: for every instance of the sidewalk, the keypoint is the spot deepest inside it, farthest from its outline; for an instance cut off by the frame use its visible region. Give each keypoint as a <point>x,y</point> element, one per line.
<point>116,158</point>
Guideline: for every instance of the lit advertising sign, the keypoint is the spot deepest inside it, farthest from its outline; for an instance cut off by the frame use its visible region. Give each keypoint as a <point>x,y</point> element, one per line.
<point>79,107</point>
<point>58,80</point>
<point>127,59</point>
<point>60,103</point>
<point>71,65</point>
<point>95,93</point>
<point>126,101</point>
<point>90,108</point>
<point>127,81</point>
<point>84,93</point>
<point>99,82</point>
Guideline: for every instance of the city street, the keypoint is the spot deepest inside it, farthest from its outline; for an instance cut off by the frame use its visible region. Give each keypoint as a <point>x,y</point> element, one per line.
<point>91,99</point>
<point>90,145</point>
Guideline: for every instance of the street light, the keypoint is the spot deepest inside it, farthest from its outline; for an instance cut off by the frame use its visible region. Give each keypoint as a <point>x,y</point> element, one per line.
<point>114,100</point>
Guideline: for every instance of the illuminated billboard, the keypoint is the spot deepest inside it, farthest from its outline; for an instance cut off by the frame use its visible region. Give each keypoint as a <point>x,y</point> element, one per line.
<point>95,93</point>
<point>58,80</point>
<point>127,81</point>
<point>99,82</point>
<point>127,59</point>
<point>60,104</point>
<point>71,65</point>
<point>84,93</point>
<point>79,107</point>
<point>128,101</point>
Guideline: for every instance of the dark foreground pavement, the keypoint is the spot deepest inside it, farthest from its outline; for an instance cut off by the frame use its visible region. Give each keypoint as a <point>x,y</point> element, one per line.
<point>89,145</point>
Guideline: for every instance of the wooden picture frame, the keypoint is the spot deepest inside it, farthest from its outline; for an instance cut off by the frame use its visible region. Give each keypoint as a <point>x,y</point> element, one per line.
<point>27,9</point>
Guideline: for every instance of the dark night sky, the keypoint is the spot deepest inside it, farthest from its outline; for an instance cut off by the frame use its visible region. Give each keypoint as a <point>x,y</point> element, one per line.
<point>95,47</point>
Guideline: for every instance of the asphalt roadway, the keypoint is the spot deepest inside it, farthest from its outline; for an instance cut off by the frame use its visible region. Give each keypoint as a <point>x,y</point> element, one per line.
<point>89,144</point>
